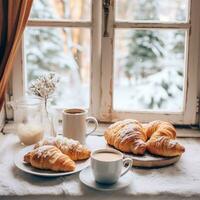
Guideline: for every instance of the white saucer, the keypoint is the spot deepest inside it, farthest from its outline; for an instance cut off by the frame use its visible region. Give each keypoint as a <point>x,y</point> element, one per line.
<point>87,178</point>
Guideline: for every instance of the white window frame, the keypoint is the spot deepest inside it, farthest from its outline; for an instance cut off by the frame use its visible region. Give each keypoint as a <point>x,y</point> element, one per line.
<point>102,64</point>
<point>18,78</point>
<point>189,115</point>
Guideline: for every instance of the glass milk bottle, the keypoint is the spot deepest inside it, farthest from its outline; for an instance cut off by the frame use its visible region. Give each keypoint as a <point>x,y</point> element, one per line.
<point>28,119</point>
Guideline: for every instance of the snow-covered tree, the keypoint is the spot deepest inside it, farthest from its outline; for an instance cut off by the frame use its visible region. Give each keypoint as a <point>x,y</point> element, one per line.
<point>179,36</point>
<point>55,49</point>
<point>146,46</point>
<point>157,63</point>
<point>44,46</point>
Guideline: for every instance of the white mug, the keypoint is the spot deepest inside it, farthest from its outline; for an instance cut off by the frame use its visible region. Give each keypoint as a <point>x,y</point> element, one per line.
<point>75,122</point>
<point>110,170</point>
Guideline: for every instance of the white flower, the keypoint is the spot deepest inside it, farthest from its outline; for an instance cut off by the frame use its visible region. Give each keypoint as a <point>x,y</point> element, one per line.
<point>44,86</point>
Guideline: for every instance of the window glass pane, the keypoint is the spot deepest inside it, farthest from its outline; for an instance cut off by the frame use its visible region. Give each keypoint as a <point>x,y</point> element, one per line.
<point>149,70</point>
<point>65,51</point>
<point>153,10</point>
<point>61,9</point>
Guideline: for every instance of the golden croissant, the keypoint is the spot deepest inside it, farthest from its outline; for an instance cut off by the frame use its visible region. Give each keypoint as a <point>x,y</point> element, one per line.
<point>162,137</point>
<point>127,136</point>
<point>49,157</point>
<point>69,147</point>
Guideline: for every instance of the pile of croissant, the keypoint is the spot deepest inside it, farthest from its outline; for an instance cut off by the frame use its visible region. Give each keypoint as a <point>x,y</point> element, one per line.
<point>57,154</point>
<point>157,137</point>
<point>130,136</point>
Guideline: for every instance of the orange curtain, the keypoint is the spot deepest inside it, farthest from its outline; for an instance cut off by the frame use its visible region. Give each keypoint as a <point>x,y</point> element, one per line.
<point>13,18</point>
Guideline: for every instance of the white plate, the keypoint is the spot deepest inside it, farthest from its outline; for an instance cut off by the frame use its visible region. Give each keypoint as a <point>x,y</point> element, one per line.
<point>19,162</point>
<point>87,178</point>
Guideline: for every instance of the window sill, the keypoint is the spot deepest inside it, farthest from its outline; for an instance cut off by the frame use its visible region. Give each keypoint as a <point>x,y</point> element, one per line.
<point>179,181</point>
<point>181,132</point>
<point>2,118</point>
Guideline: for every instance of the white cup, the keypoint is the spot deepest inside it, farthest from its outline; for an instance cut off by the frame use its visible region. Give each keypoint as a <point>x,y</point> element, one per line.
<point>110,170</point>
<point>75,122</point>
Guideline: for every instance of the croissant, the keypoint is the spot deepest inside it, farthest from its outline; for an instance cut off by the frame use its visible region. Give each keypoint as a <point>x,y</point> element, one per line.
<point>69,147</point>
<point>127,136</point>
<point>49,157</point>
<point>162,137</point>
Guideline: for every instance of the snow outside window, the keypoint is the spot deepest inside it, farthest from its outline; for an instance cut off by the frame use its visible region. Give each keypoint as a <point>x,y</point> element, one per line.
<point>142,70</point>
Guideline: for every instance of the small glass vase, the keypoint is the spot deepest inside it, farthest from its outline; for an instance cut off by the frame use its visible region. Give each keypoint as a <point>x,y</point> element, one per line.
<point>48,120</point>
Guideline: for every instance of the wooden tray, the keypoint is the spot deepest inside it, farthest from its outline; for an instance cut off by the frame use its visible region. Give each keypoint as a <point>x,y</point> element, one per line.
<point>149,161</point>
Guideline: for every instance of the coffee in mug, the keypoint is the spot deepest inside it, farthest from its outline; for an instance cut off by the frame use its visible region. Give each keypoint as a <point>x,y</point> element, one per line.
<point>106,156</point>
<point>107,165</point>
<point>75,123</point>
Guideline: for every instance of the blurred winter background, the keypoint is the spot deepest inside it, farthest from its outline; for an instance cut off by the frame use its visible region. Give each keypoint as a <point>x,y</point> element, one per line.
<point>149,64</point>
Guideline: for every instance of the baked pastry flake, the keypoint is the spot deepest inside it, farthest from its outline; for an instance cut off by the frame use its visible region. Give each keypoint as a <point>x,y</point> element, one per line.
<point>50,158</point>
<point>162,141</point>
<point>70,147</point>
<point>127,136</point>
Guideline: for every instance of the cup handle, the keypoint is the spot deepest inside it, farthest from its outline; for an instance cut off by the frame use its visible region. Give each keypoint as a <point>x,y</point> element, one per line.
<point>92,119</point>
<point>128,161</point>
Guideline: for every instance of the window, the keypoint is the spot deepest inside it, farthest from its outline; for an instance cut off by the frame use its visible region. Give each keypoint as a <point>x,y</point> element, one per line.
<point>139,62</point>
<point>60,48</point>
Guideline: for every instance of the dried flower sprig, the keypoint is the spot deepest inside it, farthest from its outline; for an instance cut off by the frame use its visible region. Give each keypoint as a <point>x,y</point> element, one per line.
<point>44,86</point>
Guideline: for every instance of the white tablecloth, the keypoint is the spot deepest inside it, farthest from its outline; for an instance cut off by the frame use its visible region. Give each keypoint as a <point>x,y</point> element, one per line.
<point>179,181</point>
